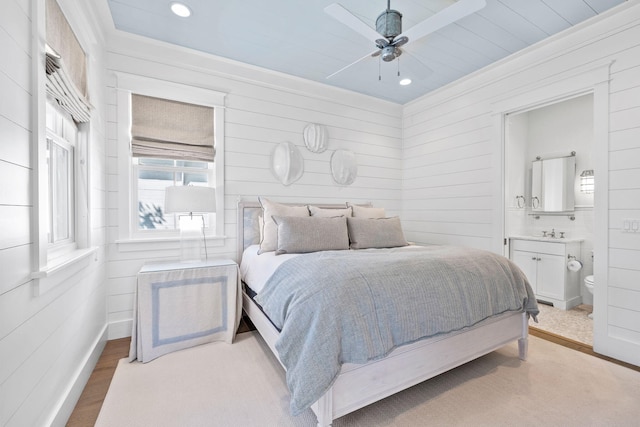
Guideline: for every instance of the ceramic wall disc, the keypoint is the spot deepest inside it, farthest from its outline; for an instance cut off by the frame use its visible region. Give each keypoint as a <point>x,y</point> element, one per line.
<point>316,138</point>
<point>287,163</point>
<point>344,167</point>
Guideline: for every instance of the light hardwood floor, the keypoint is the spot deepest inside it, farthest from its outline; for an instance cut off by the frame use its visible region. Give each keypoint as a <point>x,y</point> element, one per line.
<point>88,407</point>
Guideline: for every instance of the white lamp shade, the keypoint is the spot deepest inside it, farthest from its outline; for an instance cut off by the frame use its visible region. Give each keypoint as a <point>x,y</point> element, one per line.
<point>188,198</point>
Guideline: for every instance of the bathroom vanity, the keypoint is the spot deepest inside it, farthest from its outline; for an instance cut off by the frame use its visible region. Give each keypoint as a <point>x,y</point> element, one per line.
<point>544,261</point>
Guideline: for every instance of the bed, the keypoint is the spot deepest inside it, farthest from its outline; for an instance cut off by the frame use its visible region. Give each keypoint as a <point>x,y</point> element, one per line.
<point>359,384</point>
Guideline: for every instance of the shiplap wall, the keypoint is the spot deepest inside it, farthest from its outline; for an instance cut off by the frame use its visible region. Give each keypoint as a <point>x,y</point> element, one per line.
<point>46,342</point>
<point>263,109</point>
<point>452,154</point>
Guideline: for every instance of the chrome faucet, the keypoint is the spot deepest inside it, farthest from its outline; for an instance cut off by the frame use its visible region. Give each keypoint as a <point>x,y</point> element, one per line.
<point>553,233</point>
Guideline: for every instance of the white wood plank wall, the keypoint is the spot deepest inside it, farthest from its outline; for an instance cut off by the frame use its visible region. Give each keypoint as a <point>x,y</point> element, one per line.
<point>450,158</point>
<point>46,341</point>
<point>263,109</point>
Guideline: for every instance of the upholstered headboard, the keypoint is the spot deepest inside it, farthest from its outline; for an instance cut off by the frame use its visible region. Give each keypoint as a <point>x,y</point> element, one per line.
<point>249,214</point>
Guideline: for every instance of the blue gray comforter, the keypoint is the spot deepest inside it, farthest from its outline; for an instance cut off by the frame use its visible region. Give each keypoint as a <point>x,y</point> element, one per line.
<point>340,307</point>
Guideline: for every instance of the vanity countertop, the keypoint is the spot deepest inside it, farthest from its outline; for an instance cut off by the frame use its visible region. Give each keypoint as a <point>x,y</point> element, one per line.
<point>549,239</point>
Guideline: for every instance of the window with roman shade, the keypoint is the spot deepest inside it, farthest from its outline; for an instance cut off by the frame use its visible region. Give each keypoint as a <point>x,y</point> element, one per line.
<point>66,65</point>
<point>168,129</point>
<point>169,134</point>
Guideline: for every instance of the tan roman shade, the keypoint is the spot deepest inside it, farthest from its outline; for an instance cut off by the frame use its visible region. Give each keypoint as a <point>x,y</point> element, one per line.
<point>171,129</point>
<point>66,65</point>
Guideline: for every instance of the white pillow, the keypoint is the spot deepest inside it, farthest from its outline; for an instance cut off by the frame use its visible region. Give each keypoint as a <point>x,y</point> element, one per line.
<point>269,240</point>
<point>329,212</point>
<point>360,211</point>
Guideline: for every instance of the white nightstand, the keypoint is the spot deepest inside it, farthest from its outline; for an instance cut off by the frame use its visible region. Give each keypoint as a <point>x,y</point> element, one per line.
<point>183,304</point>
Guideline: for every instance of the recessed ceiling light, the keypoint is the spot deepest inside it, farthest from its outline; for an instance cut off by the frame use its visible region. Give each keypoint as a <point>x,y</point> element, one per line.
<point>405,82</point>
<point>180,9</point>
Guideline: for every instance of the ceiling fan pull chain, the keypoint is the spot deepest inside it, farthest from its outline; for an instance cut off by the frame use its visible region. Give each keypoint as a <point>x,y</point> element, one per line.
<point>398,58</point>
<point>379,71</point>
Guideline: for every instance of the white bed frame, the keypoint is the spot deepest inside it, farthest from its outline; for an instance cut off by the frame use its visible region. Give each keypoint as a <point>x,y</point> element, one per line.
<point>361,385</point>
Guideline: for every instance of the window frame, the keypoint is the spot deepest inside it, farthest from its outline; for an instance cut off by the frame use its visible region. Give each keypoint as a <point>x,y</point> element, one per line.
<point>126,84</point>
<point>60,246</point>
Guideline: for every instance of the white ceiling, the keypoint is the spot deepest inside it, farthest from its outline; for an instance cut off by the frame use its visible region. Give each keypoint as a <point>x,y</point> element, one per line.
<point>297,37</point>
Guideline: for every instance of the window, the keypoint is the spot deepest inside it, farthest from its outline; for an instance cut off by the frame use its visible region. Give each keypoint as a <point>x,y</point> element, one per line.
<point>172,143</point>
<point>62,113</point>
<point>62,135</point>
<point>157,148</point>
<point>153,176</point>
<point>61,199</point>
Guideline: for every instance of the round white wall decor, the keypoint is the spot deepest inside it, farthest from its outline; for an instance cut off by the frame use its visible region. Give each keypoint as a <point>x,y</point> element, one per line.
<point>287,163</point>
<point>344,167</point>
<point>316,138</point>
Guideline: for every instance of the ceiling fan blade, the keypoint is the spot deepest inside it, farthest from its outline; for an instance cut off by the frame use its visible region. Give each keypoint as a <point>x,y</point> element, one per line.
<point>376,53</point>
<point>443,18</point>
<point>426,70</point>
<point>341,14</point>
<point>400,41</point>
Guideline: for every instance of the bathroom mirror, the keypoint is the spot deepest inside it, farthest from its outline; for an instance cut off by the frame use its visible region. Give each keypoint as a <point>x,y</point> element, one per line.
<point>552,184</point>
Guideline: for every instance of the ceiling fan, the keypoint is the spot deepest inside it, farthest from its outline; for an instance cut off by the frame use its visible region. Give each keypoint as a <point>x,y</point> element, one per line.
<point>388,36</point>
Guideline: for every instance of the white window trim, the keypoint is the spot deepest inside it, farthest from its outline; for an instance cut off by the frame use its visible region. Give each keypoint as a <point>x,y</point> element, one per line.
<point>52,266</point>
<point>128,238</point>
<point>47,274</point>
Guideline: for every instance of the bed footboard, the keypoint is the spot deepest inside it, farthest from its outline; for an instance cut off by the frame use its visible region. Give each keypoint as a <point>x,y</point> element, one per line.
<point>361,385</point>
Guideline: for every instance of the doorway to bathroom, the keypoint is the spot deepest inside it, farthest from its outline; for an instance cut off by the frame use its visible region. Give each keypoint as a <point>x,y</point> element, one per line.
<point>549,209</point>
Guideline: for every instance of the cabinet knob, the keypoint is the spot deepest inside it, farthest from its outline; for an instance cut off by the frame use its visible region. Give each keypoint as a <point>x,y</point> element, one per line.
<point>534,258</point>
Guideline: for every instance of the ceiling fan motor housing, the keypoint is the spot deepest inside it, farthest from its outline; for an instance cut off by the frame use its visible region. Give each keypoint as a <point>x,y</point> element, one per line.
<point>389,23</point>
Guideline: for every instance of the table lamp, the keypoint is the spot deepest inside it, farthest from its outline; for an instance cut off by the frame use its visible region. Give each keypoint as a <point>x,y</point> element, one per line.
<point>189,199</point>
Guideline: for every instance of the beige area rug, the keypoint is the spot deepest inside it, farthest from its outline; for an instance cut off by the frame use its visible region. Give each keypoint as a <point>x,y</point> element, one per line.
<point>242,384</point>
<point>573,324</point>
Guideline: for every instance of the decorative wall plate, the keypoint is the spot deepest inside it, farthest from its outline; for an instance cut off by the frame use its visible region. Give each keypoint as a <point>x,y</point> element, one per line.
<point>316,138</point>
<point>344,167</point>
<point>287,163</point>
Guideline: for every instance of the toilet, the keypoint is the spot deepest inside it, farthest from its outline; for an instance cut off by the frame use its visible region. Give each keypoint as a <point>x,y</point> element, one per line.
<point>588,282</point>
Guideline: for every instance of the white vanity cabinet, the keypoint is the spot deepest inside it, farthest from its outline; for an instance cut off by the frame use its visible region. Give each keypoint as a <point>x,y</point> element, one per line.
<point>544,262</point>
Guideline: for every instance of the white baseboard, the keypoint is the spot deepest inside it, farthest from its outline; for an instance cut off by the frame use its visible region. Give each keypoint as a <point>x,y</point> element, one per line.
<point>69,398</point>
<point>121,329</point>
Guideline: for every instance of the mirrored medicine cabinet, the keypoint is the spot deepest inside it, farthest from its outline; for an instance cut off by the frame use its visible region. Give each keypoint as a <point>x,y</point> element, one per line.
<point>552,184</point>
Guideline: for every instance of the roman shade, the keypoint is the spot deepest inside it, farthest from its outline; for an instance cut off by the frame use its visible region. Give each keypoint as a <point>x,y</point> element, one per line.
<point>66,66</point>
<point>171,129</point>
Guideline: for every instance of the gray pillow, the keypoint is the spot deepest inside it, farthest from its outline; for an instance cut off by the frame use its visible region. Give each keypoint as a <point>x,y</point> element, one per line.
<point>328,212</point>
<point>298,235</point>
<point>269,240</point>
<point>375,233</point>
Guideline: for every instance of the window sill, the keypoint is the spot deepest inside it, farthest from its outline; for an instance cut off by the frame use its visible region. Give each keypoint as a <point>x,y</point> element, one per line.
<point>59,269</point>
<point>161,243</point>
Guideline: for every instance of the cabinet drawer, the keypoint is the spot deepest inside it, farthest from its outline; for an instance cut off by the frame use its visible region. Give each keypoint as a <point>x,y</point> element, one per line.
<point>551,248</point>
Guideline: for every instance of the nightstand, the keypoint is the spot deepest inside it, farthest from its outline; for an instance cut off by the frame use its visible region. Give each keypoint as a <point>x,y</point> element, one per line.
<point>183,304</point>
